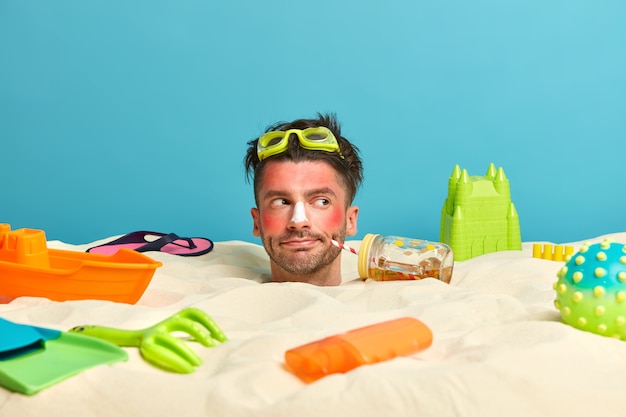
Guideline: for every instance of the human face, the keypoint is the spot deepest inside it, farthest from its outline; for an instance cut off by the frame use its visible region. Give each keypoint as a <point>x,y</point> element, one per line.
<point>301,206</point>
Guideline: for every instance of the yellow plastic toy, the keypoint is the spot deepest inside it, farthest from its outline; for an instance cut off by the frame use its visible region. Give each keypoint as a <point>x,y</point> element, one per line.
<point>29,268</point>
<point>557,253</point>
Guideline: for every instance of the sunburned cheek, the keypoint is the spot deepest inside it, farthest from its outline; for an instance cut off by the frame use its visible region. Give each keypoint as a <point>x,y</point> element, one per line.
<point>333,220</point>
<point>271,222</point>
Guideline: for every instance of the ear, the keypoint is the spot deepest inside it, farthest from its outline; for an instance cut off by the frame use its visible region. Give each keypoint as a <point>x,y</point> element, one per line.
<point>256,230</point>
<point>352,215</point>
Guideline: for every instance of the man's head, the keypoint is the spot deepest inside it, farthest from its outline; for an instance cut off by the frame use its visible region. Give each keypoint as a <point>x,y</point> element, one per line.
<point>304,181</point>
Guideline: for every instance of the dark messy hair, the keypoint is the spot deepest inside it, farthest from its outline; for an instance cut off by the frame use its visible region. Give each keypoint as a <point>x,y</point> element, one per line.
<point>349,168</point>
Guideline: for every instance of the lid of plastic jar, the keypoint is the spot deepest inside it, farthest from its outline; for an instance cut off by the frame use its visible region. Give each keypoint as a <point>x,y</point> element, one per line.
<point>364,252</point>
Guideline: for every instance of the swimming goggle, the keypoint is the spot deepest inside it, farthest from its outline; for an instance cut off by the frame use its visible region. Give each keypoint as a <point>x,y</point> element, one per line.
<point>313,138</point>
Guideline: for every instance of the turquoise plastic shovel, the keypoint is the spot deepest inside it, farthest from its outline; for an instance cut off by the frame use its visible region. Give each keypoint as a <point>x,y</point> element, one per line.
<point>33,358</point>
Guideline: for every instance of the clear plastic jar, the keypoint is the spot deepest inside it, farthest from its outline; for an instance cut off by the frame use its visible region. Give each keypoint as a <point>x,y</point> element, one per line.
<point>389,258</point>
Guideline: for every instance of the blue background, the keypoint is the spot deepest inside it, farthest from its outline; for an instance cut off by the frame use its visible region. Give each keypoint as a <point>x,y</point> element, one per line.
<point>122,116</point>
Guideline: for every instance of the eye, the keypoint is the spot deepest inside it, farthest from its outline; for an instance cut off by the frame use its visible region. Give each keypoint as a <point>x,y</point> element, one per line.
<point>322,202</point>
<point>279,202</point>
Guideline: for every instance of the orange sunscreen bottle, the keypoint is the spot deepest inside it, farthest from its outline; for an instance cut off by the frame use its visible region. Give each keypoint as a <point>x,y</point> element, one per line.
<point>366,345</point>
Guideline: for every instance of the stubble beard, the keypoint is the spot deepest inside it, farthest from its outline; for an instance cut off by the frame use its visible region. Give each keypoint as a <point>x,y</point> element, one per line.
<point>304,261</point>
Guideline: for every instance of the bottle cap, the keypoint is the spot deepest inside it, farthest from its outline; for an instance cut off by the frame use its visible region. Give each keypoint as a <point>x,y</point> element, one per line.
<point>364,255</point>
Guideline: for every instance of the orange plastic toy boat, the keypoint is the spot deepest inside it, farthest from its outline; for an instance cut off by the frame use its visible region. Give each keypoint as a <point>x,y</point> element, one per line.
<point>29,268</point>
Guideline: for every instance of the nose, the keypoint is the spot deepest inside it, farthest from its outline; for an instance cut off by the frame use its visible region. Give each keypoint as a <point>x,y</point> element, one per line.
<point>298,217</point>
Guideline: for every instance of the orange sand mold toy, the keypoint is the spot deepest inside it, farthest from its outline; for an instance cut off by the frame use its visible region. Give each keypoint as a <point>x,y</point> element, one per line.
<point>29,268</point>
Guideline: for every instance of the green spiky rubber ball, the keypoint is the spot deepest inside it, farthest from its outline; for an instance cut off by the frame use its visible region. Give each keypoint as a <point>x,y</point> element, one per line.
<point>591,289</point>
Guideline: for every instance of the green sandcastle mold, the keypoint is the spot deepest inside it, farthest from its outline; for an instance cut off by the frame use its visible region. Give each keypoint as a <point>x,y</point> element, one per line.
<point>478,216</point>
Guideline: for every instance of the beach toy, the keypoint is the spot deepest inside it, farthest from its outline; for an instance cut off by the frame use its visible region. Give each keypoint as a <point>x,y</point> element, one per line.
<point>389,258</point>
<point>157,346</point>
<point>366,345</point>
<point>33,358</point>
<point>478,216</point>
<point>29,268</point>
<point>591,289</point>
<point>552,253</point>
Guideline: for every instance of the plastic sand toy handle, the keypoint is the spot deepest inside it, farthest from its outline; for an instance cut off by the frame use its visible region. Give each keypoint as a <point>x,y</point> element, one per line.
<point>157,346</point>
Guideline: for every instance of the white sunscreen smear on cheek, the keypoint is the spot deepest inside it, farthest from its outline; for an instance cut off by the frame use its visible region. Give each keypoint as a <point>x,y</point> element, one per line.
<point>298,213</point>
